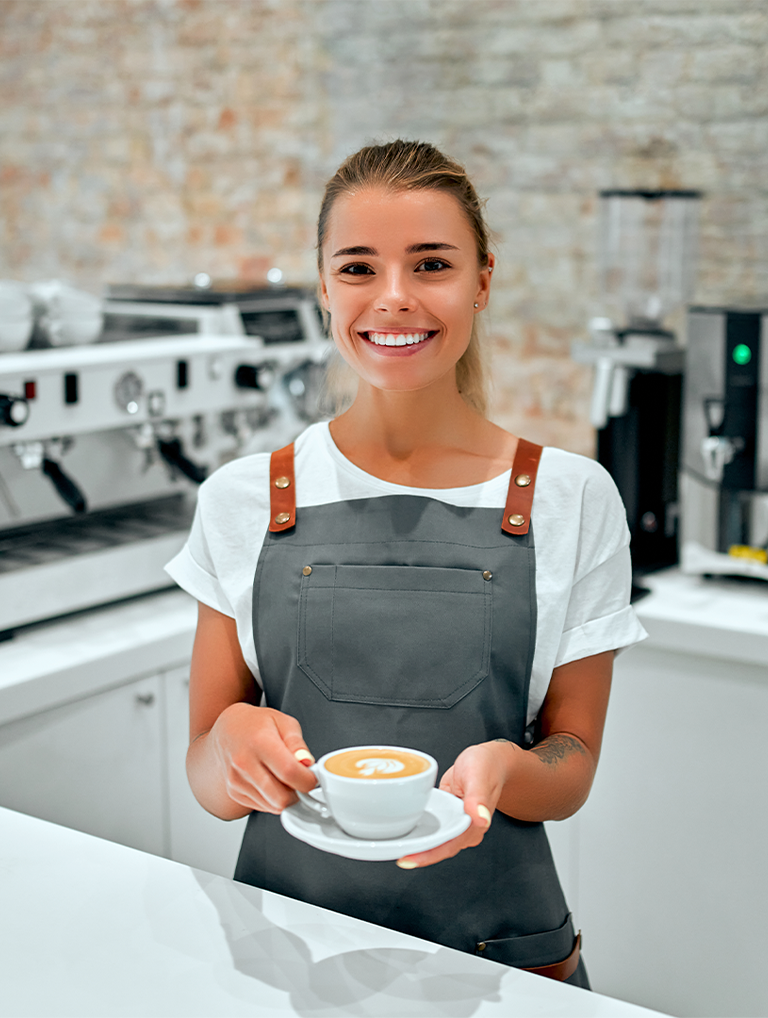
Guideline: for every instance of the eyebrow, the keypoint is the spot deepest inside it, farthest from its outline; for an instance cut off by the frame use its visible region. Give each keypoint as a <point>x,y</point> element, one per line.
<point>413,249</point>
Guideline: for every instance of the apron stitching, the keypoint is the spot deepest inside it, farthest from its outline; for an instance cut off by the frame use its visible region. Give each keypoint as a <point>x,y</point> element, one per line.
<point>302,659</point>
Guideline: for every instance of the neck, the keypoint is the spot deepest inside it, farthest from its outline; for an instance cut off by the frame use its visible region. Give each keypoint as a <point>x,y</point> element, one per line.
<point>402,425</point>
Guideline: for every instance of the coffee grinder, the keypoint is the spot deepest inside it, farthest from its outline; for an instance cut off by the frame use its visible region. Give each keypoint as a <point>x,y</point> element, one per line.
<point>647,250</point>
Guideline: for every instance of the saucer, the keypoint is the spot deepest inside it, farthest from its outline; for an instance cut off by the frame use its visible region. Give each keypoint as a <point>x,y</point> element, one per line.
<point>443,819</point>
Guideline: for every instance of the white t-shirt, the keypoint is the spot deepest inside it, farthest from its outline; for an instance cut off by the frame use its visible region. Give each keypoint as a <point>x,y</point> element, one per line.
<point>583,570</point>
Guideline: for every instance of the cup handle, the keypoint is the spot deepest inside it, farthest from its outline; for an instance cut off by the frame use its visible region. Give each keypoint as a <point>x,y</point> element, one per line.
<point>317,807</point>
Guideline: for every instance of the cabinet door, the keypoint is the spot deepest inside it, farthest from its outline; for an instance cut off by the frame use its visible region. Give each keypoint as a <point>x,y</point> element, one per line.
<point>95,765</point>
<point>196,838</point>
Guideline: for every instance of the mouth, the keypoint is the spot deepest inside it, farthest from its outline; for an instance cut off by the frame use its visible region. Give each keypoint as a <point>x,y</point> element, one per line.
<point>398,338</point>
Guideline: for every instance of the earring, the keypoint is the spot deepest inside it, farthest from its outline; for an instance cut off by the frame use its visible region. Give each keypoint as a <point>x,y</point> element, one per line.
<point>476,304</point>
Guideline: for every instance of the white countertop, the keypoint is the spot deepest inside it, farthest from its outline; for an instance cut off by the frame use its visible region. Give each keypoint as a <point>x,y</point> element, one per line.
<point>48,664</point>
<point>91,928</point>
<point>718,617</point>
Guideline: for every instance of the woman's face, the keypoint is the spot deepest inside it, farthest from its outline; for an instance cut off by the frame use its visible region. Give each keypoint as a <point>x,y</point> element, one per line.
<point>400,279</point>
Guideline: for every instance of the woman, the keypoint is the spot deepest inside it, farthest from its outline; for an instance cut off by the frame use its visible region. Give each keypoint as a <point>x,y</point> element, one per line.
<point>393,592</point>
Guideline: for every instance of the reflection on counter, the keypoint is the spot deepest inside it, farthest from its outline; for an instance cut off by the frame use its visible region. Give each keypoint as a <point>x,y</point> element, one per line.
<point>139,935</point>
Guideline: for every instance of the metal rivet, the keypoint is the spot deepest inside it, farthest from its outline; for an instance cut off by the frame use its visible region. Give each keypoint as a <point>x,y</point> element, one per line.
<point>307,570</point>
<point>487,574</point>
<point>516,520</point>
<point>482,945</point>
<point>282,517</point>
<point>523,480</point>
<point>282,482</point>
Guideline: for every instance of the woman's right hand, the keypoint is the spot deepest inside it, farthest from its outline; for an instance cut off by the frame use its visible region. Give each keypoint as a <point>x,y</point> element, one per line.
<point>261,757</point>
<point>241,757</point>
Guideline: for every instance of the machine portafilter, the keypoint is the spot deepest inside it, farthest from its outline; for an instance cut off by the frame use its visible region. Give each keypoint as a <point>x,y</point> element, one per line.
<point>45,456</point>
<point>162,438</point>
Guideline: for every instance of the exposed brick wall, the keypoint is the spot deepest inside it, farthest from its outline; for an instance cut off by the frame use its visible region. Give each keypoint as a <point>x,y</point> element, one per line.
<point>149,140</point>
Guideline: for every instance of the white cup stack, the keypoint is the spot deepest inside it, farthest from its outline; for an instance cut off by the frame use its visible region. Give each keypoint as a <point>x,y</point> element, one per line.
<point>17,316</point>
<point>66,316</point>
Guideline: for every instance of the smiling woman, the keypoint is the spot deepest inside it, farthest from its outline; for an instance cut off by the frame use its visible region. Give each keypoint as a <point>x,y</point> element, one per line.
<point>382,579</point>
<point>402,168</point>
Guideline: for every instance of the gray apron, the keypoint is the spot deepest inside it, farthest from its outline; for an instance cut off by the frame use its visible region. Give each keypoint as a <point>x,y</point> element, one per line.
<point>405,621</point>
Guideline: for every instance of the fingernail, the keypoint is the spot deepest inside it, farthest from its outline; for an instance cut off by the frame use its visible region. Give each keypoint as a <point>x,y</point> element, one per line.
<point>304,756</point>
<point>407,864</point>
<point>484,814</point>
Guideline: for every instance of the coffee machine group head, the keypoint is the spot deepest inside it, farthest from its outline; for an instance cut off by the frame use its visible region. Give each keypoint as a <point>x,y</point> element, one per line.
<point>647,256</point>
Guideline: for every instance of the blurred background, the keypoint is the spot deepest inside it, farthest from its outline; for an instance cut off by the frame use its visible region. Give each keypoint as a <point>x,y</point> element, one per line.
<point>148,141</point>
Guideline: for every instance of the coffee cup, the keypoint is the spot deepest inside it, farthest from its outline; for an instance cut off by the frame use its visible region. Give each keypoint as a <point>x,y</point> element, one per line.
<point>373,792</point>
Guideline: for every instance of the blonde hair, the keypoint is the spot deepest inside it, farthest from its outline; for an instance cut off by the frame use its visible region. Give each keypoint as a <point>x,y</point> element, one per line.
<point>411,166</point>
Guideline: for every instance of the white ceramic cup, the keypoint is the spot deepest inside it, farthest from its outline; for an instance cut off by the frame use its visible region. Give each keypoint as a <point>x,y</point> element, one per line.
<point>381,799</point>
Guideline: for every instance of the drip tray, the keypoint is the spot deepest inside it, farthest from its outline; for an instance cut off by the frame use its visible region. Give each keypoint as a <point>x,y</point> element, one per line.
<point>52,569</point>
<point>41,543</point>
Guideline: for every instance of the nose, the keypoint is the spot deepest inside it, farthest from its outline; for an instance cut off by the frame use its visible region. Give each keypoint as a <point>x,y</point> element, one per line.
<point>395,294</point>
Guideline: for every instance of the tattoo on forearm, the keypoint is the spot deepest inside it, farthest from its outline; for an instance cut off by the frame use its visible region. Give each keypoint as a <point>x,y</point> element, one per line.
<point>557,747</point>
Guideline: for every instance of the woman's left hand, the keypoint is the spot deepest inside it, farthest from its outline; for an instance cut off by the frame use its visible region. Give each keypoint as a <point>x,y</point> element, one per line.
<point>478,777</point>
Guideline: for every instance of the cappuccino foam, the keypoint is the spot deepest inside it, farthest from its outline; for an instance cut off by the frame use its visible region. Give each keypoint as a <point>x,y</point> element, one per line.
<point>373,762</point>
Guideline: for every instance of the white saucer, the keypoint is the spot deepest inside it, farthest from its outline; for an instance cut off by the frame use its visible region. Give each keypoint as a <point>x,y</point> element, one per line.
<point>443,819</point>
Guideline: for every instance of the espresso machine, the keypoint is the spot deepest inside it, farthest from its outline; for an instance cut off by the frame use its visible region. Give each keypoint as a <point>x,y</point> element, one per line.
<point>647,251</point>
<point>103,445</point>
<point>724,469</point>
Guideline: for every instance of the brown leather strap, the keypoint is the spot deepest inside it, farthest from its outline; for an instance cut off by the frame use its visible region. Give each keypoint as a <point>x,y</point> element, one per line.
<point>517,512</point>
<point>561,969</point>
<point>282,490</point>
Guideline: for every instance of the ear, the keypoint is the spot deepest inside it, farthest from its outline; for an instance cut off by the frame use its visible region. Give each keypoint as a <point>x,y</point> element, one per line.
<point>484,282</point>
<point>324,298</point>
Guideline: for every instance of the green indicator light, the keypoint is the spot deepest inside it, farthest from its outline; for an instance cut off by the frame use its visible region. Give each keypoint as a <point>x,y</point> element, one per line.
<point>742,354</point>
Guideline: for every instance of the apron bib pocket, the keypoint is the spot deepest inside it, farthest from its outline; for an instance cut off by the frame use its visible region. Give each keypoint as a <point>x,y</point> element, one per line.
<point>389,635</point>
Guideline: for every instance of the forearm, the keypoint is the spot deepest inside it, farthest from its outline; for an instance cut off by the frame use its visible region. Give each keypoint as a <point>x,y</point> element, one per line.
<point>549,782</point>
<point>207,775</point>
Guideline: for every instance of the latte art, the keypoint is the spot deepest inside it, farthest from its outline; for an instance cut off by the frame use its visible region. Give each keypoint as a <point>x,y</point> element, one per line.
<point>376,766</point>
<point>375,763</point>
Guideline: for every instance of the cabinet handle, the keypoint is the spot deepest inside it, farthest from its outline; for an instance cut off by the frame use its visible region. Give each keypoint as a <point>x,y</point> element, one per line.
<point>146,699</point>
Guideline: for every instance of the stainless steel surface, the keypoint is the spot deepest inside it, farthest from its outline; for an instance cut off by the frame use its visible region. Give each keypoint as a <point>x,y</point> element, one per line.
<point>704,377</point>
<point>761,465</point>
<point>121,432</point>
<point>724,464</point>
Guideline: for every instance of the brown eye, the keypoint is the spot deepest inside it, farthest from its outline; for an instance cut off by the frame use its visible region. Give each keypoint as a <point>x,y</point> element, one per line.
<point>357,269</point>
<point>433,265</point>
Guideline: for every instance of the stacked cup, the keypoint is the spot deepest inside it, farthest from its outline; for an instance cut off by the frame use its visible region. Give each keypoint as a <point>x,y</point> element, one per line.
<point>66,316</point>
<point>17,316</point>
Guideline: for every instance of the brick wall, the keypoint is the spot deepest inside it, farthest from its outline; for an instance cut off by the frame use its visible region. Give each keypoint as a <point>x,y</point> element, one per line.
<point>150,139</point>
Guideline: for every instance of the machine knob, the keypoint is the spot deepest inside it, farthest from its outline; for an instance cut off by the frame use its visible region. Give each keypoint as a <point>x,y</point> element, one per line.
<point>14,410</point>
<point>254,376</point>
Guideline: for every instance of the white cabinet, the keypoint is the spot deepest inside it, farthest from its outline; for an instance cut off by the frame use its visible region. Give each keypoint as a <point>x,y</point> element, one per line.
<point>95,764</point>
<point>665,864</point>
<point>196,838</point>
<point>112,764</point>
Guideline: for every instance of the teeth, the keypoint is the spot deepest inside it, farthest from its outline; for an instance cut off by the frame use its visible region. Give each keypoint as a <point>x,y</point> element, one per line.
<point>399,339</point>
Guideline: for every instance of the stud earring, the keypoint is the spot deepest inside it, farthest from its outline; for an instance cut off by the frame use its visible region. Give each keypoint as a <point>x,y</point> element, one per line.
<point>476,304</point>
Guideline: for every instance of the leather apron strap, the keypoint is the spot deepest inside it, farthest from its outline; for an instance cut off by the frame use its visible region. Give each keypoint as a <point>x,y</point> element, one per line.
<point>282,490</point>
<point>560,970</point>
<point>517,512</point>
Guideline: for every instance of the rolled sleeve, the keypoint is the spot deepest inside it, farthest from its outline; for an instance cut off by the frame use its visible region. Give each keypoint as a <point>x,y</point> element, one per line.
<point>198,582</point>
<point>599,616</point>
